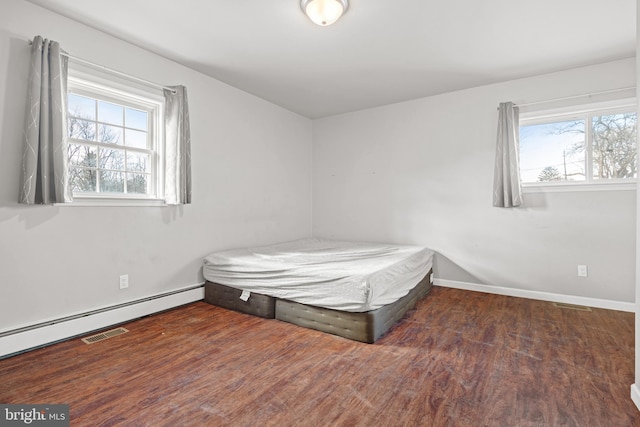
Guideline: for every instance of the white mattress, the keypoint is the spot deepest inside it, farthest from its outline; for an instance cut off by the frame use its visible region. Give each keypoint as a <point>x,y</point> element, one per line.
<point>344,276</point>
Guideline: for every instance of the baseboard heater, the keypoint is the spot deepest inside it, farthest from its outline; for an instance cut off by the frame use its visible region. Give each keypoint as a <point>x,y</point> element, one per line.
<point>38,335</point>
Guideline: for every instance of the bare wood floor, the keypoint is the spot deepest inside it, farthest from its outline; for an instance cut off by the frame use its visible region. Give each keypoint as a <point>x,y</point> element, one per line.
<point>459,359</point>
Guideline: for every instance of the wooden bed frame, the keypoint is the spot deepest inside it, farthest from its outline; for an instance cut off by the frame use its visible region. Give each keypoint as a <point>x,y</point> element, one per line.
<point>365,327</point>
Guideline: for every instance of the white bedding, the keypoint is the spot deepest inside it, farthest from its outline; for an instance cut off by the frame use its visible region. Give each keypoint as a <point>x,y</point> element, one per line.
<point>344,276</point>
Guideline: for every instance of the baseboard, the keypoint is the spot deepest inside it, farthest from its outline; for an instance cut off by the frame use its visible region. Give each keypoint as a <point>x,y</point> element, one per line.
<point>635,395</point>
<point>544,296</point>
<point>26,338</point>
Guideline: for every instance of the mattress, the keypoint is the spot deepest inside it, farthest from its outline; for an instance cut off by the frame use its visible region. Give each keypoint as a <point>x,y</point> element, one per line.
<point>346,276</point>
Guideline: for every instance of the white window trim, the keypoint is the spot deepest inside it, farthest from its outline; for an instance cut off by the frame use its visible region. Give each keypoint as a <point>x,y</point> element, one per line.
<point>568,113</point>
<point>94,82</point>
<point>628,185</point>
<point>88,201</point>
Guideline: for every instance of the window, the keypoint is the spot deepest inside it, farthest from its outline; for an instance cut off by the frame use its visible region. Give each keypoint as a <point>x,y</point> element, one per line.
<point>114,145</point>
<point>594,146</point>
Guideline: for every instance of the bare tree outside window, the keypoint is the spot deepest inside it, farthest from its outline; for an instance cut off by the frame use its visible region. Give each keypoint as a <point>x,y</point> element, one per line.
<point>614,146</point>
<point>83,159</point>
<point>563,150</point>
<point>109,157</point>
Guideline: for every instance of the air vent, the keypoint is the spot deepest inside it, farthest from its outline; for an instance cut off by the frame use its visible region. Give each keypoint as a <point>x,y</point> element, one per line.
<point>572,306</point>
<point>104,335</point>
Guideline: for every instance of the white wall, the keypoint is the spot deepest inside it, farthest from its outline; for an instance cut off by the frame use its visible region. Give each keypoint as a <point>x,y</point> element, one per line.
<point>251,185</point>
<point>422,172</point>
<point>414,172</point>
<point>635,387</point>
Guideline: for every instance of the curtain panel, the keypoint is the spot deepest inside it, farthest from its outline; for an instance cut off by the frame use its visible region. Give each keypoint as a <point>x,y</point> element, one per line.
<point>507,190</point>
<point>177,146</point>
<point>45,176</point>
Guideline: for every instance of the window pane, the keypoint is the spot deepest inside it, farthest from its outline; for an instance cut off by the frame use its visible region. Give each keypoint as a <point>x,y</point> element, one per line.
<point>111,159</point>
<point>553,151</point>
<point>82,155</point>
<point>111,182</point>
<point>110,113</point>
<point>137,183</point>
<point>81,106</point>
<point>82,180</point>
<point>111,142</point>
<point>110,134</point>
<point>138,162</point>
<point>135,119</point>
<point>82,129</point>
<point>614,146</point>
<point>135,138</point>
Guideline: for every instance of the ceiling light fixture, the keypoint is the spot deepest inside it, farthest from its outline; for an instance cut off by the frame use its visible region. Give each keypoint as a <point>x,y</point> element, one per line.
<point>324,12</point>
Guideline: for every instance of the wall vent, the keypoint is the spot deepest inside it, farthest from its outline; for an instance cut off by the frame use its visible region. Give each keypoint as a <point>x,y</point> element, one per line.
<point>104,335</point>
<point>572,306</point>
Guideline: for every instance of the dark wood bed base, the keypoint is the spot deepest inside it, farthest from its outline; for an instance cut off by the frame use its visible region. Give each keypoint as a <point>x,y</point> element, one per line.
<point>365,327</point>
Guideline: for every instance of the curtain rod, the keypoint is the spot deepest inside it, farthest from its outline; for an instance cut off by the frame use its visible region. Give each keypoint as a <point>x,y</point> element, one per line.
<point>111,70</point>
<point>575,96</point>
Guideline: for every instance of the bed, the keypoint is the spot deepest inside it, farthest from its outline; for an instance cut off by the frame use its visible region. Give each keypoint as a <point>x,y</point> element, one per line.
<point>356,290</point>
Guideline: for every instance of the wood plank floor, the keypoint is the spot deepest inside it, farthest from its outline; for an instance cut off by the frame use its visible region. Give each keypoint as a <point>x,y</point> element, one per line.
<point>459,359</point>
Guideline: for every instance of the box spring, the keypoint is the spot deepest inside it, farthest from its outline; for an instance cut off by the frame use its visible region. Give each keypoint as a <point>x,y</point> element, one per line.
<point>228,297</point>
<point>366,327</point>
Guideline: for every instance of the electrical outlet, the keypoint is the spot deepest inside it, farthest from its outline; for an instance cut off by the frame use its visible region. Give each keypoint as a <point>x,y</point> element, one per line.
<point>124,281</point>
<point>582,271</point>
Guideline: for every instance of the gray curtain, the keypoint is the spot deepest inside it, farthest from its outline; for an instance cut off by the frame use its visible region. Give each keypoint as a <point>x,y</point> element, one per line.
<point>45,176</point>
<point>507,191</point>
<point>177,147</point>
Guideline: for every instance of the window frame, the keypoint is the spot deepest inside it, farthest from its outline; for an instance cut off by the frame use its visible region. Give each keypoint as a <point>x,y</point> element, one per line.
<point>581,112</point>
<point>98,85</point>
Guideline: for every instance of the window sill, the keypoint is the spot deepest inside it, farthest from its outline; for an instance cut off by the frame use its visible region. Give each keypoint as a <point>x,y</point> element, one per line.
<point>565,187</point>
<point>113,201</point>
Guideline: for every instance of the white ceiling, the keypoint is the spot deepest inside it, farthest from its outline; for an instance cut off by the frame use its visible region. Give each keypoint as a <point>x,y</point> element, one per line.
<point>379,52</point>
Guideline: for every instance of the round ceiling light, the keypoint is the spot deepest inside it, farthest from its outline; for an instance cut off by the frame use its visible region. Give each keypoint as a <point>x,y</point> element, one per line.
<point>324,12</point>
